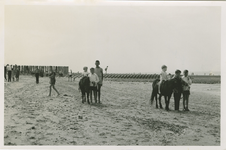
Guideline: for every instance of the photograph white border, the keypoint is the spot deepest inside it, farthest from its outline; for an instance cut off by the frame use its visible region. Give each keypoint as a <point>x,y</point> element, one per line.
<point>222,4</point>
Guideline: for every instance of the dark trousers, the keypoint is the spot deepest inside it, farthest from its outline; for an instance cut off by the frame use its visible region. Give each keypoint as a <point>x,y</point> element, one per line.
<point>9,76</point>
<point>177,97</point>
<point>37,77</point>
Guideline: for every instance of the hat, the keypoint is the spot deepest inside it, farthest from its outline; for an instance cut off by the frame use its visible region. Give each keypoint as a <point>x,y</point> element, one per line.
<point>177,71</point>
<point>164,66</point>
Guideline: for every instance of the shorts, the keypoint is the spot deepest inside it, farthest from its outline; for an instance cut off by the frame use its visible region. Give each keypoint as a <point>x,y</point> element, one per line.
<point>52,81</point>
<point>93,88</point>
<point>186,92</point>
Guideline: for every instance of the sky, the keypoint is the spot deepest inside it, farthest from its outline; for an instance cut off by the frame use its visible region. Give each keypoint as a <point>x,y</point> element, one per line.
<point>128,39</point>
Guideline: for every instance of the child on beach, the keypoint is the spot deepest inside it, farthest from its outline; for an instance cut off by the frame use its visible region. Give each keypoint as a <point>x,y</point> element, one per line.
<point>186,90</point>
<point>85,73</point>
<point>52,82</point>
<point>70,75</point>
<point>93,84</point>
<point>99,71</point>
<point>163,76</point>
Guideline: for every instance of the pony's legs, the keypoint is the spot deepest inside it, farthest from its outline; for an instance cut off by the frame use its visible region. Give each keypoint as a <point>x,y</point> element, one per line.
<point>83,96</point>
<point>88,97</point>
<point>167,104</point>
<point>156,101</point>
<point>160,102</point>
<point>169,97</point>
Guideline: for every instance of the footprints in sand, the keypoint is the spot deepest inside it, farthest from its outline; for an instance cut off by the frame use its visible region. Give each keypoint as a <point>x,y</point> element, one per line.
<point>123,118</point>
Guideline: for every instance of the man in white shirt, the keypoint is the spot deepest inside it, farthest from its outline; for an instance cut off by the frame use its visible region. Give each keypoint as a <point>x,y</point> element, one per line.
<point>94,79</point>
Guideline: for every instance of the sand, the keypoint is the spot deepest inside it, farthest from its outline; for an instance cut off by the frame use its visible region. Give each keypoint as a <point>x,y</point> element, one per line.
<point>125,116</point>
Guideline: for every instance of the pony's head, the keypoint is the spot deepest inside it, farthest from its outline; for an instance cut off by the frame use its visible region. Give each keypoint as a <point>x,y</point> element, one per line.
<point>174,82</point>
<point>85,80</point>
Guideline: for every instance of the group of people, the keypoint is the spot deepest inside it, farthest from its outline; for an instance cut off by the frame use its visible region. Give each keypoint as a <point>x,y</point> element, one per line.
<point>95,77</point>
<point>13,72</point>
<point>182,90</point>
<point>96,80</point>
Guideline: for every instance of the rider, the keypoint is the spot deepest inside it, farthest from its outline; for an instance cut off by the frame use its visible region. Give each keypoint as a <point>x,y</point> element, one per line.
<point>85,73</point>
<point>163,76</point>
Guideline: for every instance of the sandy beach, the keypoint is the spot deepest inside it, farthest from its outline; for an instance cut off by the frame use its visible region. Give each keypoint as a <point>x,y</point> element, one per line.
<point>125,116</point>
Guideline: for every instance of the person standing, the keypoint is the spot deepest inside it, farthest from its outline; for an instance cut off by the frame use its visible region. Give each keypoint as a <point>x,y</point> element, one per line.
<point>17,74</point>
<point>99,71</point>
<point>178,90</point>
<point>37,75</point>
<point>9,70</point>
<point>186,90</point>
<point>93,84</point>
<point>13,73</point>
<point>70,75</point>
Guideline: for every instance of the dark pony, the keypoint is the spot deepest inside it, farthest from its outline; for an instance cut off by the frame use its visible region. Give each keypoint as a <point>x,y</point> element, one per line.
<point>166,89</point>
<point>84,86</point>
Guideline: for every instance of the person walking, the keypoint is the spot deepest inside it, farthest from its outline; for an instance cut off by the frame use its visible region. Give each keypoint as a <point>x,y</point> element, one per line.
<point>52,82</point>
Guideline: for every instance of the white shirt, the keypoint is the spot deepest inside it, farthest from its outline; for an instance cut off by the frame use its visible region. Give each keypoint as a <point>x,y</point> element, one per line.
<point>85,74</point>
<point>163,76</point>
<point>9,68</point>
<point>93,79</point>
<point>188,81</point>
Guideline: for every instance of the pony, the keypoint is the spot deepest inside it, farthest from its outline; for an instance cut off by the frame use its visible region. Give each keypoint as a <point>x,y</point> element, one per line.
<point>166,90</point>
<point>84,86</point>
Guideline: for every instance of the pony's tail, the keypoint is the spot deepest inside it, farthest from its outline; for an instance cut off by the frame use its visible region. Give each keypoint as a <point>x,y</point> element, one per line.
<point>154,92</point>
